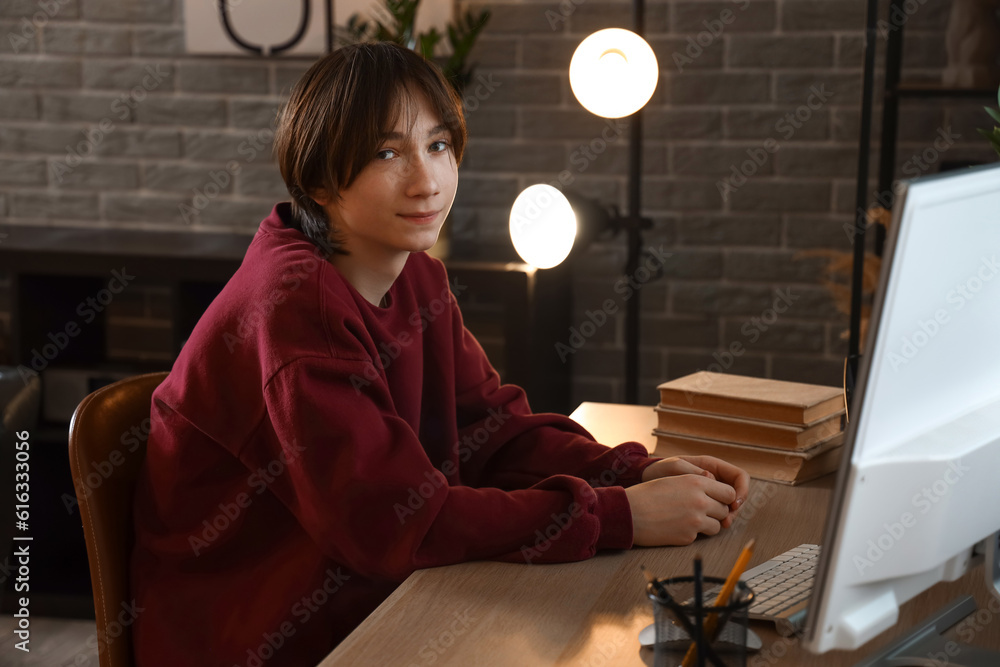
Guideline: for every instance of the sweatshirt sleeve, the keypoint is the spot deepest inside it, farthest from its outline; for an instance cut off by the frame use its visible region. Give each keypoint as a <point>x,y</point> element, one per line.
<point>361,485</point>
<point>523,448</point>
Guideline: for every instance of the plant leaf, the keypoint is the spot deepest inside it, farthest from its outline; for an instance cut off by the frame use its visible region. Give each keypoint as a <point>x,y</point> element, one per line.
<point>994,113</point>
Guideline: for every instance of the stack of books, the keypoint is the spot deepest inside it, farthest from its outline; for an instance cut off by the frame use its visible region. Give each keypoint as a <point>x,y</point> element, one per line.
<point>786,432</point>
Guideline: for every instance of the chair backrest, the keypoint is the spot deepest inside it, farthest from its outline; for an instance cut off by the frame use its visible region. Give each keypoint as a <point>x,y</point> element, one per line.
<point>105,455</point>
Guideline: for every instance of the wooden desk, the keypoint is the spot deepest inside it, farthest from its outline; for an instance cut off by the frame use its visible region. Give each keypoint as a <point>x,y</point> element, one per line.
<point>590,613</point>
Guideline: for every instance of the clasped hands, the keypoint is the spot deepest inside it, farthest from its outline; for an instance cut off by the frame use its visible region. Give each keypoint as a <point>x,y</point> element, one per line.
<point>682,496</point>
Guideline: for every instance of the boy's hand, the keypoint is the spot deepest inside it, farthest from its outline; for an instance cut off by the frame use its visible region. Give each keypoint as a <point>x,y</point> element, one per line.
<point>673,510</point>
<point>706,466</point>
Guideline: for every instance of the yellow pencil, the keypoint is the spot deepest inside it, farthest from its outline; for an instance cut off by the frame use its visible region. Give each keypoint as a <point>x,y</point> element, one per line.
<point>727,590</point>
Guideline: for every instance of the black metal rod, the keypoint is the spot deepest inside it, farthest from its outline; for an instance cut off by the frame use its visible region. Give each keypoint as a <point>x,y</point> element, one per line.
<point>890,117</point>
<point>634,233</point>
<point>861,198</point>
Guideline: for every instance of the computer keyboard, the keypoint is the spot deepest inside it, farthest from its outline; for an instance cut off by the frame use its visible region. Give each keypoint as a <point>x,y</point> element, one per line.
<point>782,587</point>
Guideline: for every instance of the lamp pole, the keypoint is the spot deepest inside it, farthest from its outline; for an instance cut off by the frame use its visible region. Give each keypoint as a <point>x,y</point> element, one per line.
<point>634,224</point>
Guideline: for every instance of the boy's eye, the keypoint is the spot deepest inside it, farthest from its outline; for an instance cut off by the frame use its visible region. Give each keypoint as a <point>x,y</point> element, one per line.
<point>439,146</point>
<point>385,154</point>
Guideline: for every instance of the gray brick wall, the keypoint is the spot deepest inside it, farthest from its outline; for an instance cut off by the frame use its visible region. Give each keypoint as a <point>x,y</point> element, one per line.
<point>104,120</point>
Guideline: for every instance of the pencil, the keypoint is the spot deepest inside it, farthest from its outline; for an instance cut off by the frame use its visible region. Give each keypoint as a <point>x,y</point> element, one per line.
<point>727,590</point>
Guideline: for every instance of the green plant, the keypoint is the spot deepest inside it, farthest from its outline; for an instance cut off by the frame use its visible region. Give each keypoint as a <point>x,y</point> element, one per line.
<point>395,23</point>
<point>994,135</point>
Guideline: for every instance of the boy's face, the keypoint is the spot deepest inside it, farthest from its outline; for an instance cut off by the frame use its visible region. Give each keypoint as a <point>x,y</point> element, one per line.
<point>400,200</point>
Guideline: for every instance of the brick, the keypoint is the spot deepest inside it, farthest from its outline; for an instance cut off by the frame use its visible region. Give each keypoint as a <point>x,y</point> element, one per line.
<point>547,52</point>
<point>813,302</point>
<point>850,51</point>
<point>253,113</point>
<point>817,161</point>
<point>681,363</point>
<point>22,172</point>
<point>262,181</point>
<point>720,88</point>
<point>809,369</point>
<point>286,76</point>
<point>918,123</point>
<point>758,195</point>
<point>522,89</point>
<point>19,105</point>
<point>679,332</point>
<point>602,390</point>
<point>575,124</point>
<point>500,156</point>
<point>235,214</point>
<point>473,191</point>
<point>64,9</point>
<point>100,176</point>
<point>221,146</point>
<point>772,266</point>
<point>811,89</point>
<point>222,78</point>
<point>929,15</point>
<point>591,360</point>
<point>134,142</point>
<point>54,205</point>
<point>730,230</point>
<point>846,125</point>
<point>924,51</point>
<point>83,107</point>
<point>127,75</point>
<point>720,298</point>
<point>495,52</point>
<point>682,124</point>
<point>143,208</point>
<point>18,37</point>
<point>748,16</point>
<point>779,51</point>
<point>693,264</point>
<point>785,124</point>
<point>490,123</point>
<point>89,40</point>
<point>844,196</point>
<point>519,19</point>
<point>591,16</point>
<point>715,161</point>
<point>158,41</point>
<point>39,73</point>
<point>183,110</point>
<point>680,195</point>
<point>147,11</point>
<point>38,139</point>
<point>615,158</point>
<point>680,54</point>
<point>802,15</point>
<point>962,121</point>
<point>781,335</point>
<point>818,231</point>
<point>185,177</point>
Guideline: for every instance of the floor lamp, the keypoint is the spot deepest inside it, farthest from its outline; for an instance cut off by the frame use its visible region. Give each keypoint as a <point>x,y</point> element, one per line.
<point>613,74</point>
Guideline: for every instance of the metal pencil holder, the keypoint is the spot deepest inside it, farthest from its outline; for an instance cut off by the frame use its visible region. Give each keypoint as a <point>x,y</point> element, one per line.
<point>679,621</point>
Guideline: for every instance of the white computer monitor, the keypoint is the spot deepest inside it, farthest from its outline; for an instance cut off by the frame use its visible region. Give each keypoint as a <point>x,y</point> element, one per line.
<point>918,490</point>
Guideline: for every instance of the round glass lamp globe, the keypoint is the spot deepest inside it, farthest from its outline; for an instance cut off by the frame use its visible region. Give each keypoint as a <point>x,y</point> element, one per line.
<point>613,73</point>
<point>542,226</point>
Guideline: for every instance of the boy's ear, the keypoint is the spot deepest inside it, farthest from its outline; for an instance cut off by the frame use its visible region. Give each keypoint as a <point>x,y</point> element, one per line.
<point>321,196</point>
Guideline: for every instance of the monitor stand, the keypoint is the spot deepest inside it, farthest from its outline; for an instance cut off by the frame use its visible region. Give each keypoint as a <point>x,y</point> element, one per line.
<point>926,647</point>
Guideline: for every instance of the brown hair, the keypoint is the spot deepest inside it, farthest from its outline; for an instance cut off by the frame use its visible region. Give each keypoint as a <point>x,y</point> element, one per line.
<point>339,113</point>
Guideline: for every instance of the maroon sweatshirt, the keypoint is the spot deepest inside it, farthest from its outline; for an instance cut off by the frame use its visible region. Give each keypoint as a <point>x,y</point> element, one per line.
<point>309,450</point>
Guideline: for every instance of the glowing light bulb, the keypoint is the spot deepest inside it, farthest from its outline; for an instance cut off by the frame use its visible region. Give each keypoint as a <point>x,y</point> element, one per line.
<point>542,226</point>
<point>613,73</point>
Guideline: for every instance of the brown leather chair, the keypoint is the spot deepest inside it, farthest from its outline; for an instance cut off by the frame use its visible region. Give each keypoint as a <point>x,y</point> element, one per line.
<point>104,474</point>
